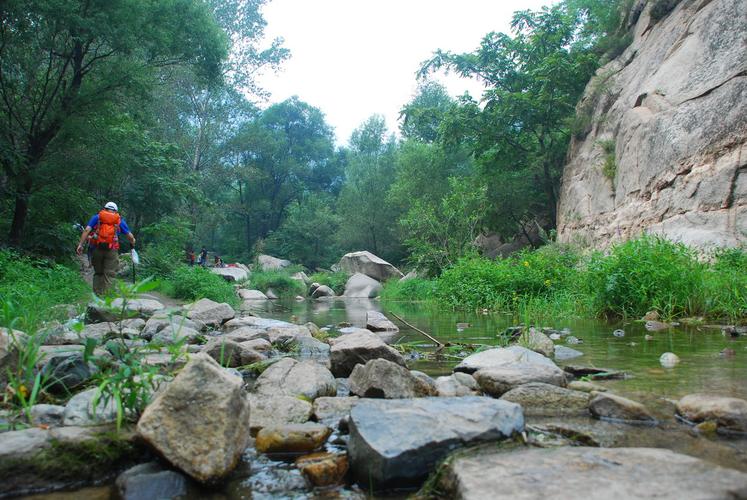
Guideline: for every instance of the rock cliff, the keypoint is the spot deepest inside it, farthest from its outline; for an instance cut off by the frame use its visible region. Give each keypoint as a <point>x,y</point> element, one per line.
<point>660,144</point>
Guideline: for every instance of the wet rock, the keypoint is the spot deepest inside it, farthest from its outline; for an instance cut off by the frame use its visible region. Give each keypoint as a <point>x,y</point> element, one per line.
<point>380,378</point>
<point>329,411</point>
<point>276,331</point>
<point>499,380</point>
<point>129,329</point>
<point>174,334</point>
<point>361,286</point>
<point>323,469</point>
<point>594,372</point>
<point>538,342</point>
<point>563,353</point>
<point>160,321</point>
<point>669,360</point>
<point>50,415</point>
<point>582,472</point>
<point>210,313</point>
<point>245,294</point>
<point>149,481</point>
<point>200,422</point>
<point>580,385</point>
<point>570,339</point>
<point>370,265</point>
<point>502,357</point>
<point>618,333</point>
<point>277,410</point>
<point>322,291</point>
<point>309,348</point>
<point>292,438</point>
<point>290,377</point>
<point>229,353</point>
<point>456,385</point>
<point>656,326</point>
<point>258,345</point>
<point>66,372</point>
<point>377,322</point>
<point>358,348</point>
<point>427,380</point>
<point>606,405</point>
<point>545,399</point>
<point>398,442</point>
<point>728,413</point>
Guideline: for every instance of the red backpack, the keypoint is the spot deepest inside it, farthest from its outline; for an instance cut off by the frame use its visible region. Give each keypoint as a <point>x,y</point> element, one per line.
<point>107,228</point>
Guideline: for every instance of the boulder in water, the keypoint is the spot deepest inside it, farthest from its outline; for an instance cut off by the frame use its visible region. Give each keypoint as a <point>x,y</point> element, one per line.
<point>369,264</point>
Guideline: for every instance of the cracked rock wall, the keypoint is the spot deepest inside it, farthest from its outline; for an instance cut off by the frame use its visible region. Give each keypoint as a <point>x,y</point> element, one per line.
<point>672,109</point>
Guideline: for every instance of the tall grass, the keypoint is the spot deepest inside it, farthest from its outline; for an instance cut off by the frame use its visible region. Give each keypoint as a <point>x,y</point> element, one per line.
<point>280,281</point>
<point>193,283</point>
<point>335,280</point>
<point>419,289</point>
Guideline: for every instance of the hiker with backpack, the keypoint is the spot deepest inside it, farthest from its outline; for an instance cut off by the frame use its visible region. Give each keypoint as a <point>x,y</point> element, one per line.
<point>104,229</point>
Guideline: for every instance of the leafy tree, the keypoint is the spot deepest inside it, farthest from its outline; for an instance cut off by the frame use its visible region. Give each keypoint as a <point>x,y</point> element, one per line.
<point>423,115</point>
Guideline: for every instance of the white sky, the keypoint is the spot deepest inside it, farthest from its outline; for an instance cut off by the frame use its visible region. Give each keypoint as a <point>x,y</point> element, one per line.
<point>356,58</point>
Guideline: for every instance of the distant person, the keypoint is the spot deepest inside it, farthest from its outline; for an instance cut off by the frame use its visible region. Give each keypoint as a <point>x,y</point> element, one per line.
<point>104,230</point>
<point>203,257</point>
<point>191,257</point>
<point>218,262</point>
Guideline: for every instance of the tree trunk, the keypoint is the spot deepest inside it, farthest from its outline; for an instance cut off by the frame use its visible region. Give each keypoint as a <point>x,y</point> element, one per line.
<point>23,193</point>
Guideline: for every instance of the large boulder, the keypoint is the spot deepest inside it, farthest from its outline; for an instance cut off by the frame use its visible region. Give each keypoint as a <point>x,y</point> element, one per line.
<point>306,379</point>
<point>358,348</point>
<point>497,381</point>
<point>397,442</point>
<point>231,274</point>
<point>360,286</point>
<point>131,308</point>
<point>728,413</point>
<point>245,294</point>
<point>380,378</point>
<point>501,357</point>
<point>589,473</point>
<point>548,400</point>
<point>174,334</point>
<point>270,263</point>
<point>377,322</point>
<point>200,422</point>
<point>322,291</point>
<point>370,265</point>
<point>210,312</point>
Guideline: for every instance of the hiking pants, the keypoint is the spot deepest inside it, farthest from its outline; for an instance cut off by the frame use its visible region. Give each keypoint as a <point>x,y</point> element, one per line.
<point>105,266</point>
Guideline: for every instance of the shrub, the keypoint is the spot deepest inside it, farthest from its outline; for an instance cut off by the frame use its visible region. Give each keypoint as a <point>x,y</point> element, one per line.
<point>643,274</point>
<point>280,281</point>
<point>415,289</point>
<point>335,280</point>
<point>193,283</point>
<point>35,286</point>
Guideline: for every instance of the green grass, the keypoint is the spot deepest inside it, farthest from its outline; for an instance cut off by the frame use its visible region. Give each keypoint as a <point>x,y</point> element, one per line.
<point>413,289</point>
<point>35,287</point>
<point>280,281</point>
<point>194,283</point>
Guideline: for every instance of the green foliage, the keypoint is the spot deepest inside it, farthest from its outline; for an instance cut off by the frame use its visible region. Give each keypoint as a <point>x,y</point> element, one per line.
<point>661,8</point>
<point>280,281</point>
<point>194,283</point>
<point>414,289</point>
<point>35,286</point>
<point>335,280</point>
<point>644,274</point>
<point>609,167</point>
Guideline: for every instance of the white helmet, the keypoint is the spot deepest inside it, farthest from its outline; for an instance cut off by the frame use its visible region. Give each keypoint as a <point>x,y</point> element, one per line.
<point>111,206</point>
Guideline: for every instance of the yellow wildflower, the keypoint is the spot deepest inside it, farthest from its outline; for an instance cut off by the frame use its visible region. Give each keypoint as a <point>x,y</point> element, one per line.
<point>526,263</point>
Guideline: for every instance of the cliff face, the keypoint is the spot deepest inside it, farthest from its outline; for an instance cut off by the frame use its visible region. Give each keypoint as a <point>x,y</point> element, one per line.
<point>663,140</point>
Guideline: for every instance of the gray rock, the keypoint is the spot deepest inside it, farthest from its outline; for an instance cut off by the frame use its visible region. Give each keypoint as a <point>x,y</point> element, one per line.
<point>276,409</point>
<point>209,312</point>
<point>66,372</point>
<point>545,399</point>
<point>251,294</point>
<point>329,411</point>
<point>59,334</point>
<point>728,413</point>
<point>258,345</point>
<point>19,444</point>
<point>150,481</point>
<point>231,274</point>
<point>276,331</point>
<point>174,334</point>
<point>310,348</point>
<point>358,348</point>
<point>134,308</point>
<point>563,353</point>
<point>361,286</point>
<point>322,291</point>
<point>398,442</point>
<point>200,422</point>
<point>270,263</point>
<point>589,473</point>
<point>538,342</point>
<point>502,357</point>
<point>225,351</point>
<point>305,379</point>
<point>610,406</point>
<point>79,410</point>
<point>271,295</point>
<point>457,384</point>
<point>369,264</point>
<point>159,321</point>
<point>377,322</point>
<point>129,329</point>
<point>380,378</point>
<point>51,415</point>
<point>497,381</point>
<point>581,385</point>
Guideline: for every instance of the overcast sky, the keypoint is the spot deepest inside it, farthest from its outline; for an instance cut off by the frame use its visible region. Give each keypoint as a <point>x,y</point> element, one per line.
<point>355,58</point>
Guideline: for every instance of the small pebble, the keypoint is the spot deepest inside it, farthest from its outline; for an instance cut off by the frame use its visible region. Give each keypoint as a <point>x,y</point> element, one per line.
<point>619,333</point>
<point>669,359</point>
<point>573,340</point>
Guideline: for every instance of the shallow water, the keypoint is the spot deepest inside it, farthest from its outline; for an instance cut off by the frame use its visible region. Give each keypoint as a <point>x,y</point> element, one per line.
<point>701,369</point>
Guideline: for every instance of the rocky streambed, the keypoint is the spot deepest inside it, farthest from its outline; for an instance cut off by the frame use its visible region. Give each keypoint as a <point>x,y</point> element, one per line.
<point>266,408</point>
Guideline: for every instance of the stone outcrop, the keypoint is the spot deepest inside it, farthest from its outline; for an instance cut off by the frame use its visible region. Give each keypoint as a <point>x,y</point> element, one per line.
<point>668,118</point>
<point>370,265</point>
<point>270,263</point>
